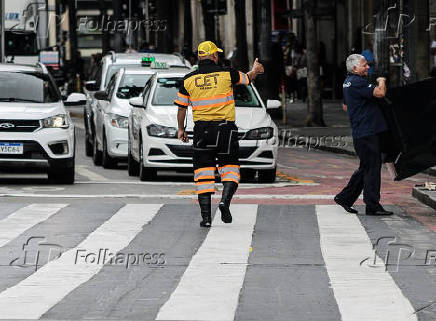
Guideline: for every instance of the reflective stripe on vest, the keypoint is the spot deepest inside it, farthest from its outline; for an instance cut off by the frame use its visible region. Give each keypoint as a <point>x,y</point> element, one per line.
<point>212,101</point>
<point>204,173</point>
<point>182,99</point>
<point>243,79</point>
<point>205,187</point>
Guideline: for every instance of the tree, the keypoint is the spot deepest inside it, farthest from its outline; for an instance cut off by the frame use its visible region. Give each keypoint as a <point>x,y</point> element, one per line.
<point>314,102</point>
<point>187,34</point>
<point>209,21</point>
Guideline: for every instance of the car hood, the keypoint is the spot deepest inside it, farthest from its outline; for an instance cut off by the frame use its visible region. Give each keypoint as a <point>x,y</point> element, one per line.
<point>246,118</point>
<point>120,107</point>
<point>24,110</point>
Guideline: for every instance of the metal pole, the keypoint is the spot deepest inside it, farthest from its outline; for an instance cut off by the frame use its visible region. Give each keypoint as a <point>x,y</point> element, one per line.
<point>2,26</point>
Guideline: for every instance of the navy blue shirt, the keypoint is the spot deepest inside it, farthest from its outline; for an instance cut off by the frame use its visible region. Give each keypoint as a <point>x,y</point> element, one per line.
<point>366,118</point>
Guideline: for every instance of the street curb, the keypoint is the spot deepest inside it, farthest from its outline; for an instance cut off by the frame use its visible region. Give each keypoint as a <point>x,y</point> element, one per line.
<point>423,197</point>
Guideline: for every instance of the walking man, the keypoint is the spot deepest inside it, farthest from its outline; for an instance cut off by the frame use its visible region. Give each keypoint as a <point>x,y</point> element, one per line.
<point>367,122</point>
<point>209,90</point>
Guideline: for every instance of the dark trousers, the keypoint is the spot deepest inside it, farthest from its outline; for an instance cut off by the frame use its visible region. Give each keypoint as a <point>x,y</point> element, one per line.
<point>368,176</point>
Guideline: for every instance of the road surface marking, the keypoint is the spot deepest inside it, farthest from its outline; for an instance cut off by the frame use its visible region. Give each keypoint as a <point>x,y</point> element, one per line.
<point>24,218</point>
<point>209,288</point>
<point>84,171</point>
<point>38,293</point>
<point>362,292</point>
<point>241,185</point>
<point>173,196</point>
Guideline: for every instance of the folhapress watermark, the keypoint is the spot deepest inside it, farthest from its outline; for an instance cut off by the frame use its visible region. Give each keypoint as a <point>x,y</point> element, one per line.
<point>109,24</point>
<point>106,257</point>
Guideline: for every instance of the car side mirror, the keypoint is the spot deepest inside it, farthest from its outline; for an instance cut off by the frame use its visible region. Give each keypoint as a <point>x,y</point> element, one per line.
<point>273,104</point>
<point>75,99</point>
<point>137,102</point>
<point>101,95</point>
<point>91,85</point>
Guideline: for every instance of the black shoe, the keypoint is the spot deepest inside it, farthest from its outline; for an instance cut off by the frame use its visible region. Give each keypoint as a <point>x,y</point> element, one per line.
<point>204,200</point>
<point>224,206</point>
<point>378,211</point>
<point>349,209</point>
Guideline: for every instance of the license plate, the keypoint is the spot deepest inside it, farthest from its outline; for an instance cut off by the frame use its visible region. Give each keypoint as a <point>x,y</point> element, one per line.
<point>11,148</point>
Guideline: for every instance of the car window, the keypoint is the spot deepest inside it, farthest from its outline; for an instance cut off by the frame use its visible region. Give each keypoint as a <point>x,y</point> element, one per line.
<point>166,91</point>
<point>111,86</point>
<point>113,69</point>
<point>245,96</point>
<point>147,91</point>
<point>99,75</point>
<point>38,87</point>
<point>167,88</point>
<point>132,85</point>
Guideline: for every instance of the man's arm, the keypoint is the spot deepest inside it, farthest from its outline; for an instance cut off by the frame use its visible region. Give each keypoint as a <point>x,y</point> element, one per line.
<point>181,135</point>
<point>380,90</point>
<point>255,70</point>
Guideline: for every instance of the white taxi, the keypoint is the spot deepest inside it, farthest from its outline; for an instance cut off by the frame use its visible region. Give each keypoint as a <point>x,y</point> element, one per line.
<point>35,129</point>
<point>153,143</point>
<point>112,112</point>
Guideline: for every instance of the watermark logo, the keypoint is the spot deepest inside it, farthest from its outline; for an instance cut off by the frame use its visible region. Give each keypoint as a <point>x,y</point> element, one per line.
<point>36,252</point>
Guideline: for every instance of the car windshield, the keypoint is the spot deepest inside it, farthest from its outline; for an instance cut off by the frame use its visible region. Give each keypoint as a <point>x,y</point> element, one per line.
<point>29,87</point>
<point>132,85</point>
<point>113,69</point>
<point>167,88</point>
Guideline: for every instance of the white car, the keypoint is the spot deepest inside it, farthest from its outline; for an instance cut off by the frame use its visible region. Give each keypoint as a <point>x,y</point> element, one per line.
<point>153,143</point>
<point>35,128</point>
<point>109,66</point>
<point>112,112</point>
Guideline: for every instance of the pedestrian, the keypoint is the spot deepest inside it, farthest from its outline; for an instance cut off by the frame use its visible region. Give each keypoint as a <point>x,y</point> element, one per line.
<point>367,124</point>
<point>209,90</point>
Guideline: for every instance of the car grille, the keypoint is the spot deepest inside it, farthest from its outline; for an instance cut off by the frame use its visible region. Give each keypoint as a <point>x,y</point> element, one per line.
<point>187,151</point>
<point>31,150</point>
<point>19,125</point>
<point>191,135</point>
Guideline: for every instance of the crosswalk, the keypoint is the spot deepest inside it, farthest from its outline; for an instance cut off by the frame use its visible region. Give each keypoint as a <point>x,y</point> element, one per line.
<point>153,262</point>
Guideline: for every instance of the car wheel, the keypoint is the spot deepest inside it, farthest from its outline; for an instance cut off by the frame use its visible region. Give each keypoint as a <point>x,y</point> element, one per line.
<point>97,155</point>
<point>61,175</point>
<point>267,175</point>
<point>247,175</point>
<point>107,161</point>
<point>132,164</point>
<point>145,173</point>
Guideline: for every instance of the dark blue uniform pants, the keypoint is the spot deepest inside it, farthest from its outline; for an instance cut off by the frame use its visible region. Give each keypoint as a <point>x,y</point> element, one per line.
<point>368,176</point>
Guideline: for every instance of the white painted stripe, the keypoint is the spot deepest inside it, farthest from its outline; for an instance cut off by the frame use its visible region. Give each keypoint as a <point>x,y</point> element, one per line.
<point>85,171</point>
<point>173,196</point>
<point>38,293</point>
<point>190,184</point>
<point>209,288</point>
<point>363,293</point>
<point>24,218</point>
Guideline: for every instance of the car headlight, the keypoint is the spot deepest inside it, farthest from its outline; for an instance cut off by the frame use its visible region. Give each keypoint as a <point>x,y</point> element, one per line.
<point>162,131</point>
<point>259,133</point>
<point>118,121</point>
<point>58,121</point>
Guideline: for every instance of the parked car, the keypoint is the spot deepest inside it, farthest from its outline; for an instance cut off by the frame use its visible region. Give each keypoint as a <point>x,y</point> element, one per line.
<point>35,128</point>
<point>109,66</point>
<point>112,112</point>
<point>153,143</point>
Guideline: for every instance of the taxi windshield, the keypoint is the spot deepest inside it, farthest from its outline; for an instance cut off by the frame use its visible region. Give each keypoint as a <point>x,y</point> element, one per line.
<point>132,85</point>
<point>113,69</point>
<point>39,88</point>
<point>167,88</point>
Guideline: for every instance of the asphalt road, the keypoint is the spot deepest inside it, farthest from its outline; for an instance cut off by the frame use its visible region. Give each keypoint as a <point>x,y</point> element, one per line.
<point>111,247</point>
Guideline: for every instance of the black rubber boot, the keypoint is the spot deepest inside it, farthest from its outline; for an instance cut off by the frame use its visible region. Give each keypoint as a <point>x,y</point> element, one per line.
<point>224,206</point>
<point>204,200</point>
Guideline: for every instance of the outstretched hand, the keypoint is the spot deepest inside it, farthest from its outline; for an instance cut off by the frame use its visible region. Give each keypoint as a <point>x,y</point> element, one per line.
<point>257,67</point>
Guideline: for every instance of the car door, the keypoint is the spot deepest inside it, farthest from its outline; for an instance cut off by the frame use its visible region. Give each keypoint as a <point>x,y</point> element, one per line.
<point>410,112</point>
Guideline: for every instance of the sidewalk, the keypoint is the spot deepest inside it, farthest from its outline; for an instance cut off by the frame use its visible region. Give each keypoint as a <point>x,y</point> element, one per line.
<point>336,137</point>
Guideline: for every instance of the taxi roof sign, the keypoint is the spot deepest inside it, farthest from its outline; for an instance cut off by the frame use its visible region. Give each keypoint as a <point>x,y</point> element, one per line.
<point>146,61</point>
<point>159,65</point>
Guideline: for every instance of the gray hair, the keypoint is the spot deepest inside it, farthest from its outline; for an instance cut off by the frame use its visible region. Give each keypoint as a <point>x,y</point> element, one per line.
<point>353,61</point>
